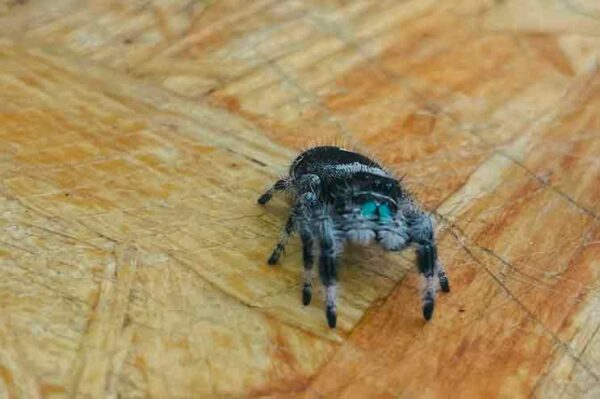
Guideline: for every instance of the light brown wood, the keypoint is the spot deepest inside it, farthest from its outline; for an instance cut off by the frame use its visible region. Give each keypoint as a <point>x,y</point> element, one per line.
<point>135,138</point>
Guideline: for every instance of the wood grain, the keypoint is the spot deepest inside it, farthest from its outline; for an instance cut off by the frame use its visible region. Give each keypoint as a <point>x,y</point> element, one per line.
<point>136,136</point>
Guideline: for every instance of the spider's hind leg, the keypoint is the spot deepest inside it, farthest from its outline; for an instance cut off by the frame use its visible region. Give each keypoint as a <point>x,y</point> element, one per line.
<point>280,185</point>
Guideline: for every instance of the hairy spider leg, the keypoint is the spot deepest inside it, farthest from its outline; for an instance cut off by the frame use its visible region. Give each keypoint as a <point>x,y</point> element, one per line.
<point>421,231</point>
<point>287,230</point>
<point>426,259</point>
<point>441,273</point>
<point>309,187</point>
<point>280,185</point>
<point>327,265</point>
<point>429,265</point>
<point>308,259</point>
<point>302,212</point>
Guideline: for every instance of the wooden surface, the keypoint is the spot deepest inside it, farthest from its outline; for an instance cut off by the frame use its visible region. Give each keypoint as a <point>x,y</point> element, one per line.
<point>136,136</point>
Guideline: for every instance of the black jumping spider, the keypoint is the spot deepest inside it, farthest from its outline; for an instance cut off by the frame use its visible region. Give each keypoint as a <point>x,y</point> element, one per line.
<point>341,196</point>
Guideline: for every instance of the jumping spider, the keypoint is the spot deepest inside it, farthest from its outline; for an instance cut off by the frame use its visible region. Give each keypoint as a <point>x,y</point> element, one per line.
<point>341,196</point>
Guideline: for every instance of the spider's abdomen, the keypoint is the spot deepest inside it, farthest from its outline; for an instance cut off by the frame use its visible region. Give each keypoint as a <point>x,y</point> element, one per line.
<point>317,159</point>
<point>344,174</point>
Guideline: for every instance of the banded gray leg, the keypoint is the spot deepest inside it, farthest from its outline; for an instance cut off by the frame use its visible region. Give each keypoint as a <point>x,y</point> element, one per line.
<point>280,185</point>
<point>285,235</point>
<point>426,258</point>
<point>441,273</point>
<point>421,232</point>
<point>305,208</point>
<point>308,259</point>
<point>327,267</point>
<point>303,211</point>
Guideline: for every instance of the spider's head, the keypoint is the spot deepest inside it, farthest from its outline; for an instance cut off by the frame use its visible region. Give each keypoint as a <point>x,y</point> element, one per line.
<point>376,195</point>
<point>369,208</point>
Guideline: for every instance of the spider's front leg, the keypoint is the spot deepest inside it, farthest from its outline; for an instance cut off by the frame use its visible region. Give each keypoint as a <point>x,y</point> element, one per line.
<point>309,186</point>
<point>327,265</point>
<point>426,258</point>
<point>421,232</point>
<point>302,215</point>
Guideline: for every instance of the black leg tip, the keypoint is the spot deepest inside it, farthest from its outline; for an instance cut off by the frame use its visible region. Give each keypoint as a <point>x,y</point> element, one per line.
<point>264,199</point>
<point>331,317</point>
<point>428,310</point>
<point>444,284</point>
<point>274,258</point>
<point>306,295</point>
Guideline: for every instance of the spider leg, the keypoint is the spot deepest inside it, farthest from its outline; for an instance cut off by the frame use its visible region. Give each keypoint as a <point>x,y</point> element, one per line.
<point>287,230</point>
<point>309,186</point>
<point>426,259</point>
<point>308,260</point>
<point>441,273</point>
<point>280,185</point>
<point>303,211</point>
<point>327,267</point>
<point>421,231</point>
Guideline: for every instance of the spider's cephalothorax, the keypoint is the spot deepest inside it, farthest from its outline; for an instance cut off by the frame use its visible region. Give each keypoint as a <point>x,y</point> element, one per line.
<point>341,196</point>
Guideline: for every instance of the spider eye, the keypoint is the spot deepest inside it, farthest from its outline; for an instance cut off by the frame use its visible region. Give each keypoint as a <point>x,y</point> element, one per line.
<point>369,208</point>
<point>384,212</point>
